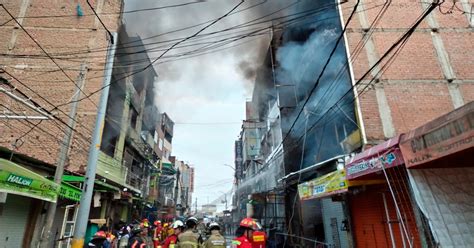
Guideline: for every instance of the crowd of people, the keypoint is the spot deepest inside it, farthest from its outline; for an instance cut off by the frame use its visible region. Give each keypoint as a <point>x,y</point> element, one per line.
<point>177,234</point>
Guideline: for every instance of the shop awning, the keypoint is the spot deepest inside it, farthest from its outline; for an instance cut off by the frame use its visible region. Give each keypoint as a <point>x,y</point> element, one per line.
<point>386,154</point>
<point>70,192</point>
<point>329,184</point>
<point>15,179</point>
<point>437,142</point>
<point>71,178</point>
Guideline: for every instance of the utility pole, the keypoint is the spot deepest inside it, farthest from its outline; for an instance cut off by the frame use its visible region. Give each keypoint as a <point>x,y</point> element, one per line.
<point>63,154</point>
<point>88,187</point>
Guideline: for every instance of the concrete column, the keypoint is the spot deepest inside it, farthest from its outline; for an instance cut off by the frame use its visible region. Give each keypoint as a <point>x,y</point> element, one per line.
<point>372,56</point>
<point>469,11</point>
<point>119,147</point>
<point>385,112</point>
<point>103,208</point>
<point>23,8</point>
<point>444,61</point>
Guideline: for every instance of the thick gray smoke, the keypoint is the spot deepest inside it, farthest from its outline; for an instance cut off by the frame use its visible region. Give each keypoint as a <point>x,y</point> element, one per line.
<point>301,57</point>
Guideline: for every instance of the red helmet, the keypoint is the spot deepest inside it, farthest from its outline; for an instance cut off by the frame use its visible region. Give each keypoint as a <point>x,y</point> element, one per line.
<point>100,234</point>
<point>248,223</point>
<point>157,223</point>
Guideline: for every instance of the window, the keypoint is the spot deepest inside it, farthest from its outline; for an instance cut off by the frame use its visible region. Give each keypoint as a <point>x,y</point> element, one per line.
<point>133,117</point>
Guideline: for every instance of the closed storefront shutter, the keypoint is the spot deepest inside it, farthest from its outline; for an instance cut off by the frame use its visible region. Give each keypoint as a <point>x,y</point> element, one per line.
<point>369,219</point>
<point>13,220</point>
<point>333,217</point>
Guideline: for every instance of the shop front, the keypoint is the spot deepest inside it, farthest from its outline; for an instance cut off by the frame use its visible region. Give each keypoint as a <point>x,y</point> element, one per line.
<point>382,213</point>
<point>324,209</point>
<point>440,159</point>
<point>22,195</point>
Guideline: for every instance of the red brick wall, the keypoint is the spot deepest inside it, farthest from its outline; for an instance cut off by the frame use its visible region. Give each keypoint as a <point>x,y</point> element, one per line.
<point>56,35</point>
<point>414,85</point>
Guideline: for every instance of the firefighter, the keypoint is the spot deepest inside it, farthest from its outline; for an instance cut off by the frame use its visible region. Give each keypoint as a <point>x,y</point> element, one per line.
<point>216,240</point>
<point>190,238</point>
<point>259,237</point>
<point>138,237</point>
<point>99,240</point>
<point>170,242</point>
<point>244,234</point>
<point>157,233</point>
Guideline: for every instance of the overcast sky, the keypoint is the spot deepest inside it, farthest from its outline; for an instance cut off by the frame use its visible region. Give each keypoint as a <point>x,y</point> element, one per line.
<point>205,96</point>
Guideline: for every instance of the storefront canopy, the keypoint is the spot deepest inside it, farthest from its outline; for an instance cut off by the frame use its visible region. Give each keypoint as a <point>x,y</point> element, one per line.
<point>97,183</point>
<point>445,141</point>
<point>15,179</point>
<point>374,159</point>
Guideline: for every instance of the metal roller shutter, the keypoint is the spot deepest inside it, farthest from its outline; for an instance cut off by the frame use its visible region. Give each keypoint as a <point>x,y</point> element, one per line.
<point>13,220</point>
<point>333,215</point>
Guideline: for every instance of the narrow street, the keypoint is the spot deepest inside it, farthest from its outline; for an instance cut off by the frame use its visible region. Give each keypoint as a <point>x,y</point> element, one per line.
<point>232,123</point>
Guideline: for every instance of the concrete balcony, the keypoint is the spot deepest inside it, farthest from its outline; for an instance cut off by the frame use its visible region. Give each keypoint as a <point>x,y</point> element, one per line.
<point>111,169</point>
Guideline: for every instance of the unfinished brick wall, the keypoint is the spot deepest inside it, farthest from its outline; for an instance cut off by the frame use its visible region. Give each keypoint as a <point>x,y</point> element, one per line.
<point>39,78</point>
<point>416,85</point>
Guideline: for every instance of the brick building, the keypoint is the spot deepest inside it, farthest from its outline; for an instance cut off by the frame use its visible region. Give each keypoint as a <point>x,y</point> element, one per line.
<point>50,51</point>
<point>429,78</point>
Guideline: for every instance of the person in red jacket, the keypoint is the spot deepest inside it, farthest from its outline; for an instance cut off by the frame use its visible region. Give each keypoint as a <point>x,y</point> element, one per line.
<point>170,242</point>
<point>157,233</point>
<point>244,234</point>
<point>259,238</point>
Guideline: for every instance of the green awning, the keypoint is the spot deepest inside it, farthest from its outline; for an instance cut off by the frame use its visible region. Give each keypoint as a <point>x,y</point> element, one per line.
<point>71,178</point>
<point>15,179</point>
<point>70,192</point>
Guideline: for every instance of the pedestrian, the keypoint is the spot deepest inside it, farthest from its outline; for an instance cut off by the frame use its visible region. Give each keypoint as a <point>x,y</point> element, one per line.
<point>216,240</point>
<point>99,240</point>
<point>157,233</point>
<point>172,240</point>
<point>124,237</point>
<point>244,234</point>
<point>190,238</point>
<point>137,239</point>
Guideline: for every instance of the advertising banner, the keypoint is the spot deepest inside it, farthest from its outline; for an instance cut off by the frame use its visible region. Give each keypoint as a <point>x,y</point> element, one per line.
<point>329,184</point>
<point>15,179</point>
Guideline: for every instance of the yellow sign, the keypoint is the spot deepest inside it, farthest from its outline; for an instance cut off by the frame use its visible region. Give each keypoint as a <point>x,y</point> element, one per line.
<point>329,184</point>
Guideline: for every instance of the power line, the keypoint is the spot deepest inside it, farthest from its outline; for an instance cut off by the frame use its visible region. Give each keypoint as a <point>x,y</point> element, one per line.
<point>116,13</point>
<point>151,64</point>
<point>44,51</point>
<point>111,37</point>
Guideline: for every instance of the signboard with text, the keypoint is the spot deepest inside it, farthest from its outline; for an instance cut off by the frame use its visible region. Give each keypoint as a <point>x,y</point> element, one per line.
<point>15,179</point>
<point>329,184</point>
<point>448,134</point>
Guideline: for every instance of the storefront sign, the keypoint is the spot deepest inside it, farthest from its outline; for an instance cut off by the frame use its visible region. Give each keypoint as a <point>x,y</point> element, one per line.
<point>446,135</point>
<point>384,155</point>
<point>329,184</point>
<point>15,179</point>
<point>70,192</point>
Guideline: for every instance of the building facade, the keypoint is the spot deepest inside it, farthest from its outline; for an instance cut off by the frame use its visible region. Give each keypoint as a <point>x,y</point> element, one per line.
<point>356,102</point>
<point>40,79</point>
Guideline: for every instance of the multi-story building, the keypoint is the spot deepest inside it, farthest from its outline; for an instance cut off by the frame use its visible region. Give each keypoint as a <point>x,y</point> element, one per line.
<point>52,54</point>
<point>413,113</point>
<point>128,157</point>
<point>183,188</point>
<point>342,92</point>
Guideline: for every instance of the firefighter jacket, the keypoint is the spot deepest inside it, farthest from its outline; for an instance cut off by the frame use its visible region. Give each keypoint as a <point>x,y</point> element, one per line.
<point>216,240</point>
<point>189,239</point>
<point>170,241</point>
<point>241,242</point>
